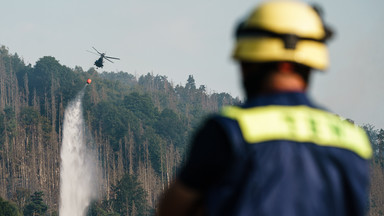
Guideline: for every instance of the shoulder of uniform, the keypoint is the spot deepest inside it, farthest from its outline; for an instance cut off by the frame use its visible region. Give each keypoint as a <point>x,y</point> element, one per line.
<point>301,124</point>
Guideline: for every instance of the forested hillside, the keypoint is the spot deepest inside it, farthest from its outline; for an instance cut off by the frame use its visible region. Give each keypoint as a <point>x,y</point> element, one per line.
<point>139,127</point>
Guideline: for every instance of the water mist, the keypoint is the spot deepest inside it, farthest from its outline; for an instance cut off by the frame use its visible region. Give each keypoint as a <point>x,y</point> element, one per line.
<point>78,183</point>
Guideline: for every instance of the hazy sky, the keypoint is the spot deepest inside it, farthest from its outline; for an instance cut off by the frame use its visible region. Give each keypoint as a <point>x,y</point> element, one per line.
<point>180,38</point>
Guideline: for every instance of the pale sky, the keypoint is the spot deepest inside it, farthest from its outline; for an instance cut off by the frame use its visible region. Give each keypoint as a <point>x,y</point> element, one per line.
<point>178,38</point>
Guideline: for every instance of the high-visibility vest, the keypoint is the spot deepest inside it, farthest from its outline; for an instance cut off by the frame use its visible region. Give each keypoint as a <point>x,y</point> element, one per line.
<point>299,124</point>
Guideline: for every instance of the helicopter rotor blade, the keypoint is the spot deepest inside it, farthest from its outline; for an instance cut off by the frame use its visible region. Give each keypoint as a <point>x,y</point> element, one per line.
<point>97,51</point>
<point>108,59</point>
<point>92,52</point>
<point>111,57</point>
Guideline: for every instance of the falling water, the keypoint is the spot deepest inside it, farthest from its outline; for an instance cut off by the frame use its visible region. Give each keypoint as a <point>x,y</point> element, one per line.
<point>78,184</point>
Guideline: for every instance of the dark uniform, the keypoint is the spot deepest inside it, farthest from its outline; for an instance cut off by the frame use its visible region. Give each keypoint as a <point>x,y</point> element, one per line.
<point>279,155</point>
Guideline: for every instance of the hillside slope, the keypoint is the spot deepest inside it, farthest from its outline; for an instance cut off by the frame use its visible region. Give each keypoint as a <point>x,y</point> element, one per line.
<point>140,128</point>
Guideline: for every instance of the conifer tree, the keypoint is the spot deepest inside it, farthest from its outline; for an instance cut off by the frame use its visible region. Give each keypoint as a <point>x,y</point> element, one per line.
<point>36,206</point>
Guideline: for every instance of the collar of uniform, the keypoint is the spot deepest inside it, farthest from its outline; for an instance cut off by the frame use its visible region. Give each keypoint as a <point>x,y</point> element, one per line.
<point>281,98</point>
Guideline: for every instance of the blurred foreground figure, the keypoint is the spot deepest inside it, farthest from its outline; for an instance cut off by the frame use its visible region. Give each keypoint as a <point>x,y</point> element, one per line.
<point>278,153</point>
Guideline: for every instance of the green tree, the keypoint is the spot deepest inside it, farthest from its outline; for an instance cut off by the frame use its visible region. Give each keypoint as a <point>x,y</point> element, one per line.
<point>141,105</point>
<point>36,206</point>
<point>96,209</point>
<point>44,71</point>
<point>29,116</point>
<point>130,197</point>
<point>190,83</point>
<point>10,121</point>
<point>169,126</point>
<point>112,121</point>
<point>8,209</point>
<point>49,78</point>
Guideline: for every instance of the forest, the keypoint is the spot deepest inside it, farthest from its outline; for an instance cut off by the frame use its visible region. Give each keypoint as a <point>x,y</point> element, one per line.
<point>140,128</point>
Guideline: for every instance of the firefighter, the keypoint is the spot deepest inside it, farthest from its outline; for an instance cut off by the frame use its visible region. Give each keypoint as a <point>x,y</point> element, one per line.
<point>278,153</point>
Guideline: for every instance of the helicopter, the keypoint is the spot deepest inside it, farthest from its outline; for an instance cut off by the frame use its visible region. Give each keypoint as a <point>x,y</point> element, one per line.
<point>99,62</point>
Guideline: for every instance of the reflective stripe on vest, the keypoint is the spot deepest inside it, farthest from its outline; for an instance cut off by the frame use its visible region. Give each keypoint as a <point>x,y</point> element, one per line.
<point>300,124</point>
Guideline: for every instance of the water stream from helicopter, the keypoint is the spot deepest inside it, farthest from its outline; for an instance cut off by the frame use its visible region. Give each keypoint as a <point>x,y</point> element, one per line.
<point>78,183</point>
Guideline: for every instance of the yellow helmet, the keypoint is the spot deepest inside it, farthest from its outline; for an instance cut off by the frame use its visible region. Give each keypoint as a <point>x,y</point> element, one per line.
<point>283,31</point>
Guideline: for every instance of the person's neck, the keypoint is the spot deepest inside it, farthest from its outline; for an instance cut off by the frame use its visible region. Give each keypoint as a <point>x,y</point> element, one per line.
<point>285,82</point>
<point>281,83</point>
